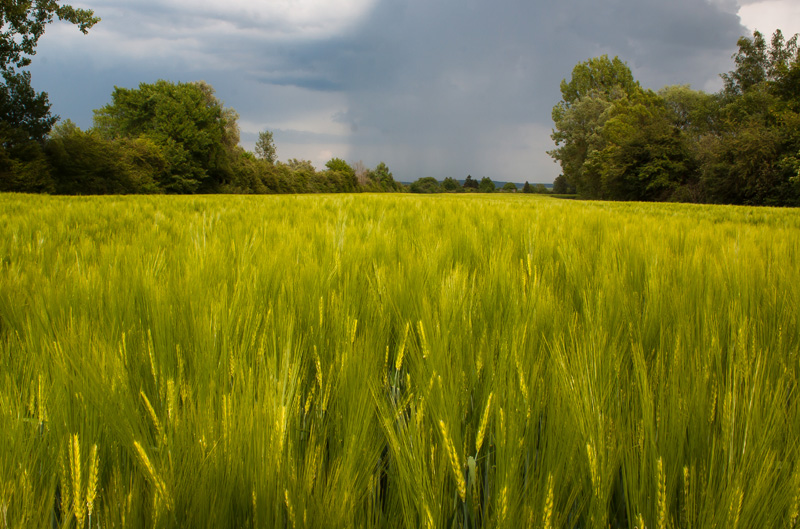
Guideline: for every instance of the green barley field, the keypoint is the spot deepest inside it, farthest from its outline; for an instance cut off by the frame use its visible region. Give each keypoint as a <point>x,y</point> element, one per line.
<point>397,361</point>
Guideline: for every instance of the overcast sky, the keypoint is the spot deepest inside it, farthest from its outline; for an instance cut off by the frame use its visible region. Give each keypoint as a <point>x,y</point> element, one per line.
<point>431,87</point>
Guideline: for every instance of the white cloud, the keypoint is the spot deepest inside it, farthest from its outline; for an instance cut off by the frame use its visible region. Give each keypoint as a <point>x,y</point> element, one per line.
<point>209,33</point>
<point>270,19</point>
<point>769,15</point>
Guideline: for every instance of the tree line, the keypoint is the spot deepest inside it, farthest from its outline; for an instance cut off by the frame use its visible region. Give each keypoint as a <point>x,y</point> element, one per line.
<point>166,137</point>
<point>430,184</point>
<point>615,140</point>
<point>162,137</point>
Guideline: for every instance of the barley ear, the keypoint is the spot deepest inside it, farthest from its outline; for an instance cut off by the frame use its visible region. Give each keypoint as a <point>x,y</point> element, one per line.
<point>289,509</point>
<point>66,491</point>
<point>454,462</point>
<point>662,496</point>
<point>91,490</point>
<point>547,516</point>
<point>152,413</point>
<point>75,465</point>
<point>482,427</point>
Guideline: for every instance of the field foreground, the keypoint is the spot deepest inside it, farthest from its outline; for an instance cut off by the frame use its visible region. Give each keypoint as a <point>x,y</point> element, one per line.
<point>397,361</point>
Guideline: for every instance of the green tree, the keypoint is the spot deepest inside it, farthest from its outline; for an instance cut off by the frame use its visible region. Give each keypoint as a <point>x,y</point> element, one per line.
<point>561,186</point>
<point>22,23</point>
<point>426,184</point>
<point>527,188</point>
<point>341,175</point>
<point>450,184</point>
<point>265,148</point>
<point>25,120</point>
<point>195,132</point>
<point>470,183</point>
<point>24,114</point>
<point>581,114</point>
<point>645,156</point>
<point>25,117</point>
<point>509,187</point>
<point>86,163</point>
<point>486,185</point>
<point>751,158</point>
<point>302,176</point>
<point>381,179</point>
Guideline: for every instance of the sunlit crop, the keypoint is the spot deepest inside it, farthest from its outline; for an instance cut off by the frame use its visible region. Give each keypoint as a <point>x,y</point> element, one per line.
<point>397,361</point>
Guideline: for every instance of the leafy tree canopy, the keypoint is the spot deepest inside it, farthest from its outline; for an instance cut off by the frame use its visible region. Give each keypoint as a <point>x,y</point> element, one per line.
<point>451,184</point>
<point>486,185</point>
<point>24,114</point>
<point>23,22</point>
<point>381,179</point>
<point>581,114</point>
<point>427,184</point>
<point>196,132</point>
<point>265,147</point>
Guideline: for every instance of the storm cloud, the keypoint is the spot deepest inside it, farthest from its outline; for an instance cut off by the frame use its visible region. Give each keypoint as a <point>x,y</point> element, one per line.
<point>433,88</point>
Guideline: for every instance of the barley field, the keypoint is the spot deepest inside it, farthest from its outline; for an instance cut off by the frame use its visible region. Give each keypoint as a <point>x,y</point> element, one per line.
<point>397,361</point>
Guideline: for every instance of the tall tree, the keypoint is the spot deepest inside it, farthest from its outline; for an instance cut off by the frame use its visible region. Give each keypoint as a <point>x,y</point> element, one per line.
<point>753,160</point>
<point>195,131</point>
<point>381,179</point>
<point>486,185</point>
<point>22,23</point>
<point>581,114</point>
<point>471,183</point>
<point>25,117</point>
<point>645,156</point>
<point>265,147</point>
<point>341,176</point>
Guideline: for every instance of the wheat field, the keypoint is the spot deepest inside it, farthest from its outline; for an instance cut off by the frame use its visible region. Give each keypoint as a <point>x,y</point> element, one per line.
<point>397,361</point>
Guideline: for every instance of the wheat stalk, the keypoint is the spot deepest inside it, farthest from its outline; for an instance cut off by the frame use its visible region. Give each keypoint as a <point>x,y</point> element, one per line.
<point>398,363</point>
<point>484,422</point>
<point>454,462</point>
<point>548,504</point>
<point>91,489</point>
<point>152,413</point>
<point>662,496</point>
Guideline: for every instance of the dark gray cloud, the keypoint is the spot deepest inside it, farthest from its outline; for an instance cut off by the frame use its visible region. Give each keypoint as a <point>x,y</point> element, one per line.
<point>458,86</point>
<point>432,87</point>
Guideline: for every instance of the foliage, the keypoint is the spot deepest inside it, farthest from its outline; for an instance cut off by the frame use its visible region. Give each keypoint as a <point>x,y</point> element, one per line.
<point>24,168</point>
<point>509,187</point>
<point>471,184</point>
<point>450,184</point>
<point>334,361</point>
<point>186,121</point>
<point>381,179</point>
<point>24,114</point>
<point>587,100</point>
<point>25,117</point>
<point>24,22</point>
<point>561,186</point>
<point>426,184</point>
<point>341,175</point>
<point>87,163</point>
<point>617,141</point>
<point>645,156</point>
<point>265,147</point>
<point>486,185</point>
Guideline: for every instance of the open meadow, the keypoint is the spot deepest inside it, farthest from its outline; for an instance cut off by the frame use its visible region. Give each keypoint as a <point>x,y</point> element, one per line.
<point>397,361</point>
